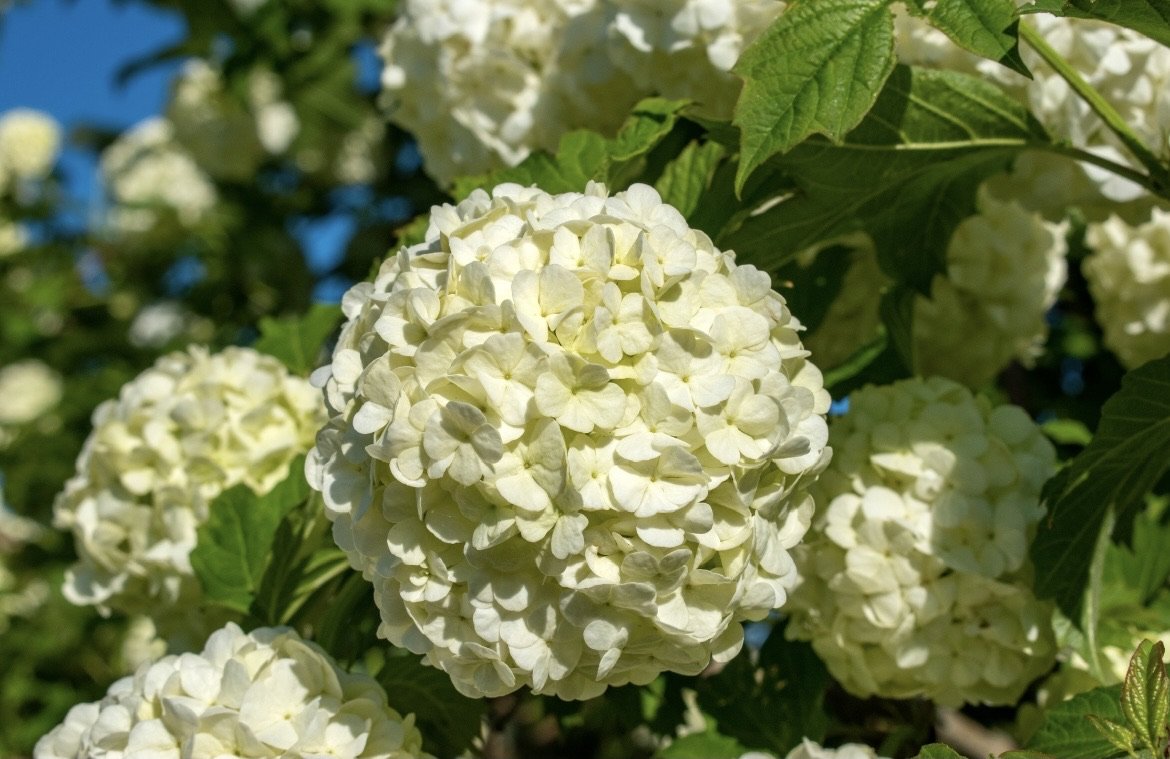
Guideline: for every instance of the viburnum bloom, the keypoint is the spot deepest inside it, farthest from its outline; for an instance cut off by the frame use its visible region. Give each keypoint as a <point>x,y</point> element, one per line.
<point>570,442</point>
<point>1128,272</point>
<point>179,434</point>
<point>482,84</point>
<point>29,144</point>
<point>29,388</point>
<point>157,191</point>
<point>917,580</point>
<point>810,749</point>
<point>266,693</point>
<point>1005,267</point>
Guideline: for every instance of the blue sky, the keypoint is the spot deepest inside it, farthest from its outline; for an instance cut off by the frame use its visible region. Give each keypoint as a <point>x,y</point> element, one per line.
<point>61,57</point>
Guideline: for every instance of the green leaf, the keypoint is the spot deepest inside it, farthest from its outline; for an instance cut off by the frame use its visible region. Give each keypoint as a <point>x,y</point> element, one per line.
<point>685,179</point>
<point>1150,17</point>
<point>1067,432</point>
<point>1067,732</point>
<point>448,719</point>
<point>908,175</point>
<point>938,751</point>
<point>235,543</point>
<point>985,27</point>
<point>702,746</point>
<point>584,155</point>
<point>1144,699</point>
<point>897,310</point>
<point>816,70</point>
<point>1115,471</point>
<point>1025,755</point>
<point>297,341</point>
<point>1120,737</point>
<point>773,704</point>
<point>1142,567</point>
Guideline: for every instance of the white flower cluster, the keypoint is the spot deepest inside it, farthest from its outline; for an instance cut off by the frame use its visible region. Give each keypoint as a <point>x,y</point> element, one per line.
<point>1005,267</point>
<point>482,84</point>
<point>916,583</point>
<point>810,749</point>
<point>1129,277</point>
<point>228,136</point>
<point>183,431</point>
<point>267,693</point>
<point>570,442</point>
<point>1130,70</point>
<point>29,143</point>
<point>29,389</point>
<point>158,191</point>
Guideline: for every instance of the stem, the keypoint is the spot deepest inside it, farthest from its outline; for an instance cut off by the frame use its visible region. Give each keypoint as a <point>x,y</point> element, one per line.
<point>1120,169</point>
<point>1158,172</point>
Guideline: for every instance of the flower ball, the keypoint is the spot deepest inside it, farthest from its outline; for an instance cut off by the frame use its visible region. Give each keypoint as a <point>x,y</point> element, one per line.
<point>570,442</point>
<point>267,693</point>
<point>916,582</point>
<point>186,429</point>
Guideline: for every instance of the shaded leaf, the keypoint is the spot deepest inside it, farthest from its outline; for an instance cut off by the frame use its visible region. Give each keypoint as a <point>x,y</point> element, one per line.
<point>702,746</point>
<point>938,751</point>
<point>1128,454</point>
<point>685,179</point>
<point>448,719</point>
<point>907,175</point>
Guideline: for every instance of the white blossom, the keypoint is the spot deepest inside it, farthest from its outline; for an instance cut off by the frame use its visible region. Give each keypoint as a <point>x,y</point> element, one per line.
<point>267,693</point>
<point>482,84</point>
<point>1005,267</point>
<point>156,189</point>
<point>570,442</point>
<point>29,144</point>
<point>1128,272</point>
<point>917,582</point>
<point>809,749</point>
<point>13,238</point>
<point>183,431</point>
<point>28,389</point>
<point>213,124</point>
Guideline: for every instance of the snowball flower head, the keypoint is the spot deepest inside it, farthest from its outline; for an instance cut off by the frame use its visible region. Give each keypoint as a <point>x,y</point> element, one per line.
<point>1005,267</point>
<point>212,124</point>
<point>809,749</point>
<point>156,188</point>
<point>482,84</point>
<point>267,693</point>
<point>29,143</point>
<point>917,581</point>
<point>183,431</point>
<point>1129,276</point>
<point>28,389</point>
<point>570,441</point>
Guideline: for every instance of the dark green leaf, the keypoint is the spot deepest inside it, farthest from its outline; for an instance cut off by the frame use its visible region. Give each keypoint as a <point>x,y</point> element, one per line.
<point>1025,755</point>
<point>648,124</point>
<point>235,543</point>
<point>985,27</point>
<point>687,177</point>
<point>816,70</point>
<point>297,341</point>
<point>897,310</point>
<point>1128,454</point>
<point>908,175</point>
<point>702,746</point>
<point>1067,732</point>
<point>773,704</point>
<point>1150,17</point>
<point>1142,568</point>
<point>938,751</point>
<point>448,719</point>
